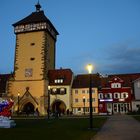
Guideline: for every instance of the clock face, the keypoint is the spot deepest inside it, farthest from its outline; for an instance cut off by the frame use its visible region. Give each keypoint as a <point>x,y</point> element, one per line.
<point>28,72</point>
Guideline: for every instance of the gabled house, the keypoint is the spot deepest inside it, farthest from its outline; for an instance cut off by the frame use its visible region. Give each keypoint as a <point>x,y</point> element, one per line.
<point>60,82</point>
<point>116,98</point>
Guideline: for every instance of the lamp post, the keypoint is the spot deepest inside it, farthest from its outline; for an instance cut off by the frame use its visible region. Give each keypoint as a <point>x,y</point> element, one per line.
<point>18,103</point>
<point>90,68</point>
<point>84,104</point>
<point>48,103</point>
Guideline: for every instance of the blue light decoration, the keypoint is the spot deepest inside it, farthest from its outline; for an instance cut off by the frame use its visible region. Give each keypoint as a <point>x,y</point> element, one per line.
<point>5,114</point>
<point>5,107</point>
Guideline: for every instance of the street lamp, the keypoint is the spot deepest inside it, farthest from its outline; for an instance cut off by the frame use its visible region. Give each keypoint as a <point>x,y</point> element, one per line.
<point>90,68</point>
<point>48,102</point>
<point>18,103</point>
<point>84,104</point>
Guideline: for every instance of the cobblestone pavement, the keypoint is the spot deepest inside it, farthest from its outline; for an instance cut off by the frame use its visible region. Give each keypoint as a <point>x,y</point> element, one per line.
<point>119,127</point>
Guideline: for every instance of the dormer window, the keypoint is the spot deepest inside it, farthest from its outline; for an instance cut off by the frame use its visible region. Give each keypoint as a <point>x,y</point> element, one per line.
<point>58,81</point>
<point>116,85</point>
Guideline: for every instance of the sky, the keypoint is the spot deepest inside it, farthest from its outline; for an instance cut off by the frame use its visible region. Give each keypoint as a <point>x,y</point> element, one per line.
<point>105,33</point>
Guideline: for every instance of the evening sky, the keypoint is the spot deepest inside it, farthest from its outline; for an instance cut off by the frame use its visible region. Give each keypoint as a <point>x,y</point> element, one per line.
<point>105,33</point>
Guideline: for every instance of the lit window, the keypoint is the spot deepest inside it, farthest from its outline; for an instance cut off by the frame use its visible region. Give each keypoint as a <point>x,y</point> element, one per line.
<point>116,95</point>
<point>93,91</point>
<point>124,95</point>
<point>58,81</point>
<point>115,85</point>
<point>79,109</point>
<point>62,91</point>
<point>76,100</point>
<point>76,91</point>
<point>108,95</point>
<point>83,91</point>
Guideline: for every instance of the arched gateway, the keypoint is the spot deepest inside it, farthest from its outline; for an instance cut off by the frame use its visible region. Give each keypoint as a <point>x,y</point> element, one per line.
<point>58,106</point>
<point>28,108</point>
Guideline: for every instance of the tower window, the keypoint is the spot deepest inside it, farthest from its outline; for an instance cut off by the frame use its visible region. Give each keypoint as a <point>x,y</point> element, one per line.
<point>32,44</point>
<point>32,58</point>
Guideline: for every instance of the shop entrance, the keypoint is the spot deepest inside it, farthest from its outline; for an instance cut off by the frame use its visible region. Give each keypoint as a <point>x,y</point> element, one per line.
<point>120,108</point>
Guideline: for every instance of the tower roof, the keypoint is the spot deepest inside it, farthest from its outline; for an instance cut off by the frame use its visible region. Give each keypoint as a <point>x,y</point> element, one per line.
<point>35,17</point>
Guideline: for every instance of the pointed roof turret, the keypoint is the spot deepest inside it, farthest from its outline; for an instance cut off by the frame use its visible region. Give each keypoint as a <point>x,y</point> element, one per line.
<point>38,7</point>
<point>35,21</point>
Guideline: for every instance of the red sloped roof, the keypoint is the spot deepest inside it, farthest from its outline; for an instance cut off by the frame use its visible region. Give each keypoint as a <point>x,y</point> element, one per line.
<point>65,74</point>
<point>35,17</point>
<point>127,78</point>
<point>83,81</point>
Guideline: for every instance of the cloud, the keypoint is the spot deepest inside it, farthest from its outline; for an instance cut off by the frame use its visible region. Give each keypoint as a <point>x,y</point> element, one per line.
<point>122,58</point>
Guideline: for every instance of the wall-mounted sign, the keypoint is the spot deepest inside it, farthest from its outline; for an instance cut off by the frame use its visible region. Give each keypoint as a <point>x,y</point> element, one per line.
<point>106,100</point>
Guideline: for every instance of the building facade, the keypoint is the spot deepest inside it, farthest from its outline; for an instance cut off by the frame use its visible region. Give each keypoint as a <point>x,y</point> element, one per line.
<point>80,94</point>
<point>60,82</point>
<point>116,98</point>
<point>34,56</point>
<point>80,100</point>
<point>136,101</point>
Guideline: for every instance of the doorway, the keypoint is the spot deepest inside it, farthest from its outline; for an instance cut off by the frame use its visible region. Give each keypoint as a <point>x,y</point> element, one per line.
<point>59,107</point>
<point>28,108</point>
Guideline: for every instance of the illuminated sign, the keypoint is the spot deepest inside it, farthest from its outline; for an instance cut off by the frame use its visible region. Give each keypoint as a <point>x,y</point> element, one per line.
<point>106,100</point>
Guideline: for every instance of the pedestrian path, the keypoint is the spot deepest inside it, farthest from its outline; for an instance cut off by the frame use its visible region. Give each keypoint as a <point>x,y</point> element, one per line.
<point>119,127</point>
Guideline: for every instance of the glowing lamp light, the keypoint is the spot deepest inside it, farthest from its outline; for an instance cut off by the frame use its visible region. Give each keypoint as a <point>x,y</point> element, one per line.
<point>89,68</point>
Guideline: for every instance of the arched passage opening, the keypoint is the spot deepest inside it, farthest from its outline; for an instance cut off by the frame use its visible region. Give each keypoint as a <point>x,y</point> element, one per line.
<point>28,108</point>
<point>58,106</point>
